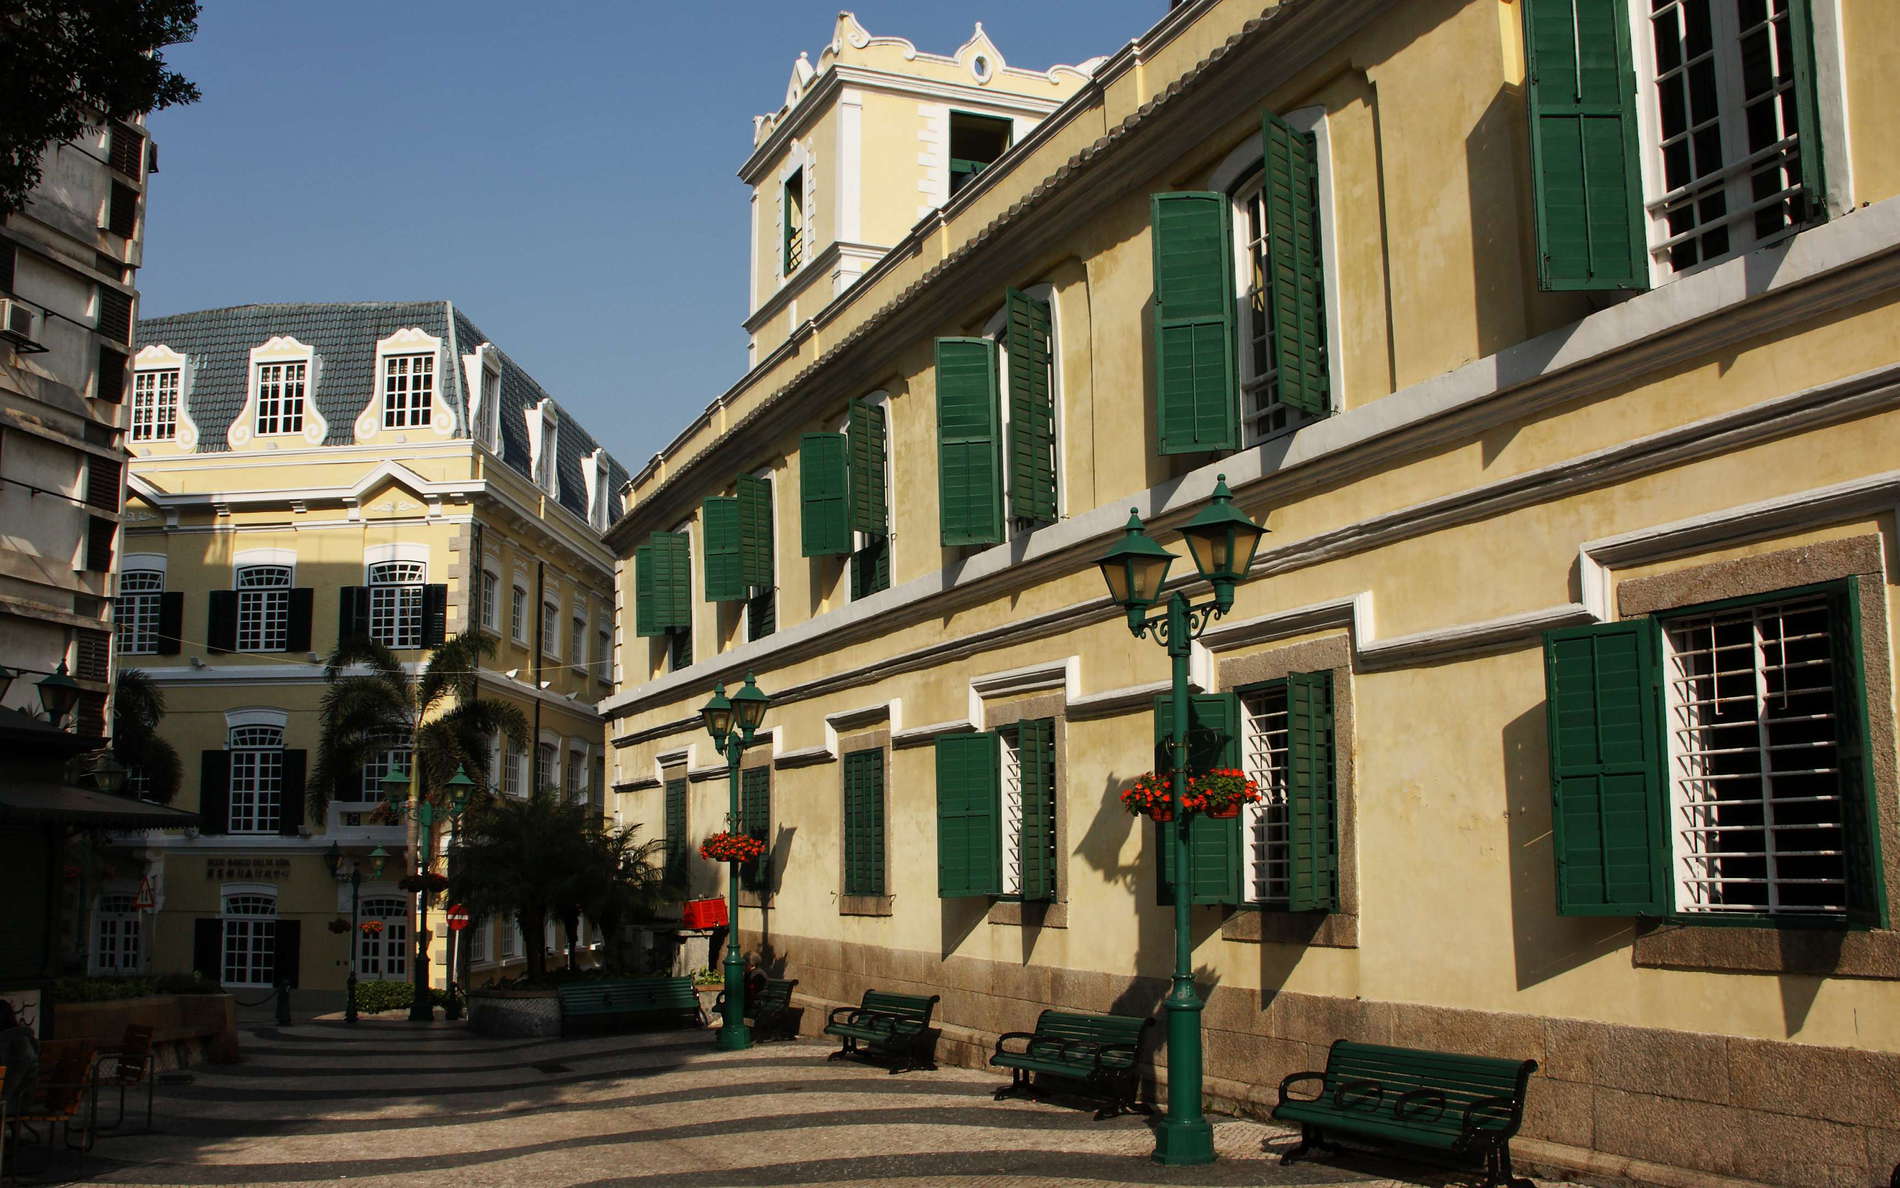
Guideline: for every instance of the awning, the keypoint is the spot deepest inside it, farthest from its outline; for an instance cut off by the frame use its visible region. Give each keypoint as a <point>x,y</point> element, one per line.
<point>32,800</point>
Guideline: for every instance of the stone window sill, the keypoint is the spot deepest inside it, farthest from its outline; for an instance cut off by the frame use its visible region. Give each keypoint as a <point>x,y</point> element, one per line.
<point>1319,930</point>
<point>1824,952</point>
<point>864,905</point>
<point>1029,915</point>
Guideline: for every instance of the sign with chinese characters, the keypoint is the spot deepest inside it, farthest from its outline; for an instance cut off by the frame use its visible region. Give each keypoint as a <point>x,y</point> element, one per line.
<point>247,870</point>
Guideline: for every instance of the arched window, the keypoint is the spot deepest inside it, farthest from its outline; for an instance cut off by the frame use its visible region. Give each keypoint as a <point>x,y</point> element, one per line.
<point>395,603</point>
<point>249,925</point>
<point>257,778</point>
<point>383,954</point>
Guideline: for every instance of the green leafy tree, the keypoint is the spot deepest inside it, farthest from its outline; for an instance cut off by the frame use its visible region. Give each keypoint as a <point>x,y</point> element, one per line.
<point>137,707</point>
<point>372,704</point>
<point>541,858</point>
<point>70,65</point>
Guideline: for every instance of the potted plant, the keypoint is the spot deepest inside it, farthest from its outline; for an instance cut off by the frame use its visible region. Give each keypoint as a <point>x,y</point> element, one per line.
<point>1150,794</point>
<point>731,847</point>
<point>371,927</point>
<point>1220,793</point>
<point>339,925</point>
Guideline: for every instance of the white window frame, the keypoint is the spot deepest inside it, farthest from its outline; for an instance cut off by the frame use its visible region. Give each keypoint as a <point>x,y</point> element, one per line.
<point>574,774</point>
<point>263,604</point>
<point>136,610</point>
<point>155,398</point>
<point>518,613</point>
<point>395,601</point>
<point>544,446</point>
<point>247,921</point>
<point>551,625</point>
<point>604,655</point>
<point>118,935</point>
<point>1010,812</point>
<point>491,600</point>
<point>385,957</point>
<point>408,388</point>
<point>1239,175</point>
<point>261,749</point>
<point>396,755</point>
<point>546,766</point>
<point>477,934</point>
<point>283,396</point>
<point>577,641</point>
<point>1266,855</point>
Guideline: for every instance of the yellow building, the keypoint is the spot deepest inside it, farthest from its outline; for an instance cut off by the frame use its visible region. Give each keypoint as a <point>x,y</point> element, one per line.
<point>1570,410</point>
<point>305,472</point>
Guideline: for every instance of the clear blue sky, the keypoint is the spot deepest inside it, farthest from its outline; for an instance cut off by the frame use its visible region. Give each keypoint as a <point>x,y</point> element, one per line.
<point>563,171</point>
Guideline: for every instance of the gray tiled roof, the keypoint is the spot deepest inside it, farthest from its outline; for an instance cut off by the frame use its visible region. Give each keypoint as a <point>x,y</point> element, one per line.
<point>343,336</point>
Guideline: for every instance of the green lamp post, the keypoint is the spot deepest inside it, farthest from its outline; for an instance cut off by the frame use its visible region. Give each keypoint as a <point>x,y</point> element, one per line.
<point>377,857</point>
<point>402,793</point>
<point>732,724</point>
<point>1222,543</point>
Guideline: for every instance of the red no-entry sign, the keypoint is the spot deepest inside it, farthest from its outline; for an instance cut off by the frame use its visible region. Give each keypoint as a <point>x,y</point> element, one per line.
<point>458,918</point>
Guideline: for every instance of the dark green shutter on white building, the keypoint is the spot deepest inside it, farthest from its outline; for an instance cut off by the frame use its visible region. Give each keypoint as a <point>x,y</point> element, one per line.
<point>969,452</point>
<point>1296,263</point>
<point>1604,688</point>
<point>969,825</point>
<point>864,822</point>
<point>1036,764</point>
<point>1312,848</point>
<point>1197,406</point>
<point>672,579</point>
<point>723,562</point>
<point>869,514</point>
<point>1213,845</point>
<point>823,492</point>
<point>676,845</point>
<point>755,820</point>
<point>1032,413</point>
<point>755,531</point>
<point>1586,182</point>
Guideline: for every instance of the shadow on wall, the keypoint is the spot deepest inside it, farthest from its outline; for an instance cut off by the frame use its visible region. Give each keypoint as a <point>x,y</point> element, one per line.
<point>1543,943</point>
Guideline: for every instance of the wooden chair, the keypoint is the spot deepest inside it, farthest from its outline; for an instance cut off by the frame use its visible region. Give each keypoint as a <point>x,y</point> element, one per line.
<point>65,1089</point>
<point>128,1065</point>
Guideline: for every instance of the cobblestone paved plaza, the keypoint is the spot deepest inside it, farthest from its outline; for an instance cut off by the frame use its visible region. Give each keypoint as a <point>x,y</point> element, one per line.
<point>390,1102</point>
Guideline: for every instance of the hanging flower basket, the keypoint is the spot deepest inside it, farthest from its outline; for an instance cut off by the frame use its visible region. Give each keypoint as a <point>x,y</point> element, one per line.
<point>1220,793</point>
<point>1151,795</point>
<point>371,927</point>
<point>339,926</point>
<point>731,847</point>
<point>428,881</point>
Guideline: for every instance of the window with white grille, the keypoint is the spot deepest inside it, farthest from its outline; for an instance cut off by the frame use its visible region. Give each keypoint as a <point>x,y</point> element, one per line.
<point>518,615</point>
<point>1757,783</point>
<point>577,642</point>
<point>383,955</point>
<point>394,756</point>
<point>395,603</point>
<point>546,766</point>
<point>1012,815</point>
<point>574,781</point>
<point>280,392</point>
<point>1261,413</point>
<point>263,619</point>
<point>1263,748</point>
<point>408,387</point>
<point>250,940</point>
<point>491,598</point>
<point>477,934</point>
<point>510,939</point>
<point>514,771</point>
<point>115,935</point>
<point>1722,126</point>
<point>155,405</point>
<point>551,628</point>
<point>136,610</point>
<point>257,778</point>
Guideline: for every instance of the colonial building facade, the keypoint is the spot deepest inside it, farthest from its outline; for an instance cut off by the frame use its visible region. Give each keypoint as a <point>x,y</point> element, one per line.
<point>302,473</point>
<point>1555,342</point>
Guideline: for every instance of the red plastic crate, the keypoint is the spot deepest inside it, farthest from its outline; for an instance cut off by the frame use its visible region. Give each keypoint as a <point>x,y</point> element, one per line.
<point>704,913</point>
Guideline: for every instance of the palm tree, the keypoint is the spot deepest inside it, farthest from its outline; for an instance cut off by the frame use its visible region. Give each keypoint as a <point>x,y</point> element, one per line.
<point>373,702</point>
<point>540,858</point>
<point>137,706</point>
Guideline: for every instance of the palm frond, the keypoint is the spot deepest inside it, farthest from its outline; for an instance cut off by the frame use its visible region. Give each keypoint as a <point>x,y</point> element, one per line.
<point>360,651</point>
<point>453,668</point>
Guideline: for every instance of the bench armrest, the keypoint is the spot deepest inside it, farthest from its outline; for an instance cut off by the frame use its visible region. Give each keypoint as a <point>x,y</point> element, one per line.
<point>1369,1093</point>
<point>1295,1079</point>
<point>844,1014</point>
<point>1094,1052</point>
<point>1502,1110</point>
<point>1028,1038</point>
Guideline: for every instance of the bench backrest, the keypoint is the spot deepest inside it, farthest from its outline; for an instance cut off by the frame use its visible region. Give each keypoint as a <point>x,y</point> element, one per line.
<point>1461,1079</point>
<point>1095,1029</point>
<point>904,1006</point>
<point>632,994</point>
<point>777,994</point>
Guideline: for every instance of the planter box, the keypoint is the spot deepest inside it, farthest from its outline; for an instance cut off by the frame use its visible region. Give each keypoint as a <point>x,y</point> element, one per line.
<point>703,913</point>
<point>186,1028</point>
<point>532,1013</point>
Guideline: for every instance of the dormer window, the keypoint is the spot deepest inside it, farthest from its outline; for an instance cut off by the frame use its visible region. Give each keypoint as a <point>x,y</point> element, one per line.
<point>794,221</point>
<point>280,398</point>
<point>975,142</point>
<point>155,405</point>
<point>545,442</point>
<point>408,390</point>
<point>491,409</point>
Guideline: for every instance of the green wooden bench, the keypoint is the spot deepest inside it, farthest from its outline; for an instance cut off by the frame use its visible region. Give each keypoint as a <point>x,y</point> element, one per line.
<point>1101,1052</point>
<point>894,1025</point>
<point>1467,1107</point>
<point>629,1000</point>
<point>770,1009</point>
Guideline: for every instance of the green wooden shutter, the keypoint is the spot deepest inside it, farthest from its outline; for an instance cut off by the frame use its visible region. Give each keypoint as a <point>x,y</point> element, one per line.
<point>969,817</point>
<point>1213,845</point>
<point>755,820</point>
<point>723,563</point>
<point>864,823</point>
<point>871,568</point>
<point>676,844</point>
<point>1196,405</point>
<point>1807,109</point>
<point>646,598</point>
<point>1866,881</point>
<point>1032,410</point>
<point>1312,848</point>
<point>869,512</point>
<point>1586,183</point>
<point>822,488</point>
<point>1297,279</point>
<point>672,579</point>
<point>1036,760</point>
<point>755,531</point>
<point>1603,685</point>
<point>969,456</point>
